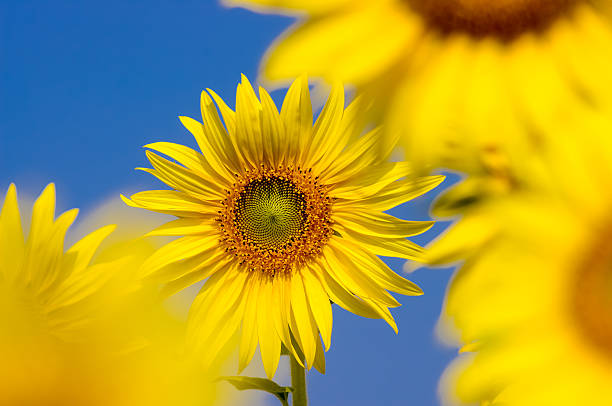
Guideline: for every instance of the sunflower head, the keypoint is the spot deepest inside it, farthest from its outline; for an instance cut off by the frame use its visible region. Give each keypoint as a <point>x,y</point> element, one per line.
<point>454,79</point>
<point>535,290</point>
<point>76,324</point>
<point>282,216</point>
<point>71,294</point>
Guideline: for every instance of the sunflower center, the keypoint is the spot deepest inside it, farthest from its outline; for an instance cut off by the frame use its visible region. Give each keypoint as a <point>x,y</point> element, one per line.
<point>271,212</point>
<point>275,219</point>
<point>593,297</point>
<point>502,19</point>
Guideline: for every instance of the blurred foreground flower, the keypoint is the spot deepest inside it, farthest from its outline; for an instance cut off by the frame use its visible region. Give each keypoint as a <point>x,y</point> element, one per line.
<point>75,328</point>
<point>455,78</point>
<point>536,296</point>
<point>281,217</point>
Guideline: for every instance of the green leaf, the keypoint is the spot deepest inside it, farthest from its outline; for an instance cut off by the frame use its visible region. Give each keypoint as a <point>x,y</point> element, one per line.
<point>266,385</point>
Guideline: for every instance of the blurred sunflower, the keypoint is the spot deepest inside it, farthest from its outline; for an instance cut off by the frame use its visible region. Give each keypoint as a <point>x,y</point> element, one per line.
<point>61,291</point>
<point>455,78</point>
<point>75,328</point>
<point>281,216</point>
<point>536,297</point>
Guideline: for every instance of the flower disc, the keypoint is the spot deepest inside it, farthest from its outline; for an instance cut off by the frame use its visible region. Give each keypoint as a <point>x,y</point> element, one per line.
<point>503,19</point>
<point>276,219</point>
<point>271,213</point>
<point>592,298</point>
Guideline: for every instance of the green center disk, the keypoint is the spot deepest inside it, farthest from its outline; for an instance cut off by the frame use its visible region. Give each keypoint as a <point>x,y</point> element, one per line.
<point>271,213</point>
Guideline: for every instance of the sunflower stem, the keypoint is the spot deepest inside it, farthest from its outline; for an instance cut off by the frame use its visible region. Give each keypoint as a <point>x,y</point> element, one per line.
<point>298,382</point>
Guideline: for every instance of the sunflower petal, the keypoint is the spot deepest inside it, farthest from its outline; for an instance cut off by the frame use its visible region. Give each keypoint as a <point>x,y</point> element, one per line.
<point>12,244</point>
<point>296,114</point>
<point>381,224</point>
<point>269,340</point>
<point>320,306</point>
<point>305,325</point>
<point>248,339</point>
<point>177,250</point>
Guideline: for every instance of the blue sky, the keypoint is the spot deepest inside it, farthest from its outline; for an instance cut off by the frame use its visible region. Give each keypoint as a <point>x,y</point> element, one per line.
<point>83,85</point>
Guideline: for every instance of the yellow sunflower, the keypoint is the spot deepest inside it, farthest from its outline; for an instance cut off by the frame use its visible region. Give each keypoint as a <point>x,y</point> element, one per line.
<point>54,292</point>
<point>536,297</point>
<point>281,216</point>
<point>75,328</point>
<point>454,78</point>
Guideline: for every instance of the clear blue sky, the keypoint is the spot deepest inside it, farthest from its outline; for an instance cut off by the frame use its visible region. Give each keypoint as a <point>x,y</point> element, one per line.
<point>84,84</point>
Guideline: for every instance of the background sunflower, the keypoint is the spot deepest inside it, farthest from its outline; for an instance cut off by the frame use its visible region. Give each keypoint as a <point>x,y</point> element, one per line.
<point>76,327</point>
<point>454,78</point>
<point>535,299</point>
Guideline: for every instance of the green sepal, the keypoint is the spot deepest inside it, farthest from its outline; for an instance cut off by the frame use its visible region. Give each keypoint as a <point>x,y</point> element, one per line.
<point>266,385</point>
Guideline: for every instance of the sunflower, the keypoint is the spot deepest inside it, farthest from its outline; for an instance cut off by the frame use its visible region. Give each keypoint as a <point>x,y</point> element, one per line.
<point>56,293</point>
<point>75,328</point>
<point>536,296</point>
<point>281,216</point>
<point>454,78</point>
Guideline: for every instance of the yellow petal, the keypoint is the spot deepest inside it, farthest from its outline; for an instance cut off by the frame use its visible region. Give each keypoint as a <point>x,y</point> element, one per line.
<point>280,300</point>
<point>383,312</point>
<point>190,159</point>
<point>394,193</point>
<point>305,326</point>
<point>171,202</point>
<point>322,47</point>
<point>191,274</point>
<point>49,260</point>
<point>216,162</point>
<point>371,180</point>
<point>178,250</point>
<point>186,226</point>
<point>320,306</point>
<point>248,338</point>
<point>36,248</point>
<point>221,295</point>
<point>296,114</point>
<point>390,247</point>
<point>12,244</point>
<point>325,131</point>
<point>229,116</point>
<point>376,269</point>
<point>183,179</point>
<point>341,296</point>
<point>269,340</point>
<point>217,135</point>
<point>358,155</point>
<point>248,127</point>
<point>381,224</point>
<point>319,361</point>
<point>347,274</point>
<point>221,319</point>
<point>85,248</point>
<point>272,128</point>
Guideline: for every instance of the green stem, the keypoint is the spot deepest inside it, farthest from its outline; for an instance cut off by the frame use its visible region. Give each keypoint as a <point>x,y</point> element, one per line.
<point>298,382</point>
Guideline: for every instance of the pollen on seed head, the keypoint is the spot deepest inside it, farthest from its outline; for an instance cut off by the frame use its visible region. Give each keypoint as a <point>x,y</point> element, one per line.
<point>276,219</point>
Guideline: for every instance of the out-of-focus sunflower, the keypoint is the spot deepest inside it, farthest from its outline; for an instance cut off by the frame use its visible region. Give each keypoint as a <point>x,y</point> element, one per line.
<point>75,328</point>
<point>456,78</point>
<point>281,216</point>
<point>54,292</point>
<point>536,297</point>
